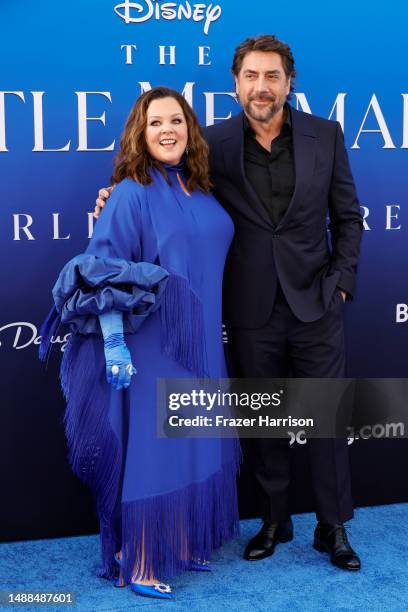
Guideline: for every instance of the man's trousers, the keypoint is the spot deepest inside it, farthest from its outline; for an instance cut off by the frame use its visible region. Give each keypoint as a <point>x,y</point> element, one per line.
<point>305,350</point>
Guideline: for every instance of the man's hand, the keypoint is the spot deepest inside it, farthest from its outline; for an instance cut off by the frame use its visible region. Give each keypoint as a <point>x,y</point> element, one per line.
<point>103,195</point>
<point>343,295</point>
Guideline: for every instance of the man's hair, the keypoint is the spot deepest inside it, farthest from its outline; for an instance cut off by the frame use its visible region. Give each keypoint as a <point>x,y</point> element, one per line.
<point>270,44</point>
<point>133,159</point>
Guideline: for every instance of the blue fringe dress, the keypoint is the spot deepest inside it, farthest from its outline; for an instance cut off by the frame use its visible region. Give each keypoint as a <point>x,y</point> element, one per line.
<point>160,260</point>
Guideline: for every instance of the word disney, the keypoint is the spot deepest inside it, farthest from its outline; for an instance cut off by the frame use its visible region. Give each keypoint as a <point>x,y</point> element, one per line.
<point>137,12</point>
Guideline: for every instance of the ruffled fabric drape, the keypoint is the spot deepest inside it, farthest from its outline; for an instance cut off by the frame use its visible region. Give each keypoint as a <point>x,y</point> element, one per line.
<point>89,285</point>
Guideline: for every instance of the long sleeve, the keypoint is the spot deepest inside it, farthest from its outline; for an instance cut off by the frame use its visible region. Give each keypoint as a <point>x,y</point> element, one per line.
<point>346,223</point>
<point>118,271</point>
<point>110,275</point>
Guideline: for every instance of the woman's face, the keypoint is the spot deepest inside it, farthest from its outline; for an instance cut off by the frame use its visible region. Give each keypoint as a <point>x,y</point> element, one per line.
<point>166,131</point>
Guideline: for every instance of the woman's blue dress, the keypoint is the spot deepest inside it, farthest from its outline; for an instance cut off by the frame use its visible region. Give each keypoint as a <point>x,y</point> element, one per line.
<point>161,501</point>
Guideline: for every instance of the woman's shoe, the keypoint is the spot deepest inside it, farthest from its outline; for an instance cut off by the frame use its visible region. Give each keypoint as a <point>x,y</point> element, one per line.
<point>199,566</point>
<point>118,583</point>
<point>159,590</point>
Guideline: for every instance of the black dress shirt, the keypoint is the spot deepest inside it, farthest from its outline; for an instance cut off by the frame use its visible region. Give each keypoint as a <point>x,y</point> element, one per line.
<point>271,173</point>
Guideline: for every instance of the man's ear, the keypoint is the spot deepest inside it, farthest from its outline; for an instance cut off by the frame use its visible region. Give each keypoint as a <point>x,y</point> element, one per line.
<point>236,86</point>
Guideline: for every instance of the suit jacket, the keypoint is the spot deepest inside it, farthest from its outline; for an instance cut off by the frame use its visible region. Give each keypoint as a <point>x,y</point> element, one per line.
<point>298,252</point>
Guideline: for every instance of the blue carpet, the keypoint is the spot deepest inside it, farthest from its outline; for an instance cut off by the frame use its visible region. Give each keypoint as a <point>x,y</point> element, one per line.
<point>295,578</point>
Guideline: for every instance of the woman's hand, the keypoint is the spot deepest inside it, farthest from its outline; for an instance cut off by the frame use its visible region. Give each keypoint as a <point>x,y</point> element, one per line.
<point>119,367</point>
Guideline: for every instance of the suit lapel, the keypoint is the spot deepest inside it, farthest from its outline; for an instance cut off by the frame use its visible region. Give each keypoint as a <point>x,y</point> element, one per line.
<point>233,152</point>
<point>304,157</point>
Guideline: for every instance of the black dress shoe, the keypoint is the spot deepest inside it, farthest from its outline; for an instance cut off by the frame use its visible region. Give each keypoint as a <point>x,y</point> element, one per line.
<point>263,544</point>
<point>333,540</point>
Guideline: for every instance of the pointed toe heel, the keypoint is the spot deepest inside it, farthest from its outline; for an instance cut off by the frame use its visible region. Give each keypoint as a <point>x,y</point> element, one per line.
<point>158,590</point>
<point>199,566</point>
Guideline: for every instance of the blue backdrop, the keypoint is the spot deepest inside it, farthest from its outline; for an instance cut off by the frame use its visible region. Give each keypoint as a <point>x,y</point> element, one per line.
<point>70,73</point>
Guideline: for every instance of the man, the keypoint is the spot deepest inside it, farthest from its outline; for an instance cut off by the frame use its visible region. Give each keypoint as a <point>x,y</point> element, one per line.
<point>279,173</point>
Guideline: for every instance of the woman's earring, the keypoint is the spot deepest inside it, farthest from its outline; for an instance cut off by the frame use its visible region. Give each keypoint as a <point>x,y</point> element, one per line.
<point>187,150</point>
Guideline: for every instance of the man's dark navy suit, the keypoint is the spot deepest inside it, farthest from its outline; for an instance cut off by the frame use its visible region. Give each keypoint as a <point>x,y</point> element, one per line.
<point>281,299</point>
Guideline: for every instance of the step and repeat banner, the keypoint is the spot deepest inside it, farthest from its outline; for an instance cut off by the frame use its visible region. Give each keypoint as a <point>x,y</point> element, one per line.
<point>69,74</point>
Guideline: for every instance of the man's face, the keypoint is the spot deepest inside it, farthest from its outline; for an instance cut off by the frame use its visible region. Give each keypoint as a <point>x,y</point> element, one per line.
<point>262,85</point>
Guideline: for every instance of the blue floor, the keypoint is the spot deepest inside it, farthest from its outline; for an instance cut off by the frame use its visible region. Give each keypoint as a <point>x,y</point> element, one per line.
<point>296,577</point>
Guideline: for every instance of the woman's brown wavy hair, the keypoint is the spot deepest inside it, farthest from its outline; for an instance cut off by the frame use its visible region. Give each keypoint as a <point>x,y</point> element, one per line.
<point>133,159</point>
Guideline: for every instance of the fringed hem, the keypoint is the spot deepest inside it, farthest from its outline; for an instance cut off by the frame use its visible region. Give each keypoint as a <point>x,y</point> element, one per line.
<point>95,453</point>
<point>47,332</point>
<point>148,288</point>
<point>182,324</point>
<point>161,535</point>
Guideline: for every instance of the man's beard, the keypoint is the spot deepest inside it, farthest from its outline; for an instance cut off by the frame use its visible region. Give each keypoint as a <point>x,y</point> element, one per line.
<point>264,115</point>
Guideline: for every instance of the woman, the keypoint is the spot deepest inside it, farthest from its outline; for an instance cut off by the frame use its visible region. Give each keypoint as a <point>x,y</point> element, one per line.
<point>146,294</point>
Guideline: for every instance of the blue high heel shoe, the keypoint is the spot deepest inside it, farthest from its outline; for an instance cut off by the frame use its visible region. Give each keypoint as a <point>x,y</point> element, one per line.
<point>159,590</point>
<point>199,566</point>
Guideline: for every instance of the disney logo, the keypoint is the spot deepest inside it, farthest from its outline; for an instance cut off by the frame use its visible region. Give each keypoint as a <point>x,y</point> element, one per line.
<point>137,12</point>
<point>26,334</point>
